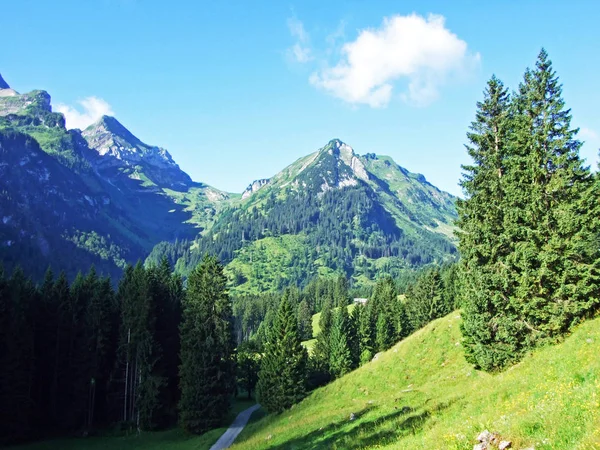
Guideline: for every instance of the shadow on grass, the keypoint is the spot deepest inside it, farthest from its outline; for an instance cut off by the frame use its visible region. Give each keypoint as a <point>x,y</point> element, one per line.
<point>360,434</point>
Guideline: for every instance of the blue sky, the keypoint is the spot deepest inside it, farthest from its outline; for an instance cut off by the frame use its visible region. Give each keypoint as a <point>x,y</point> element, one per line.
<point>237,90</point>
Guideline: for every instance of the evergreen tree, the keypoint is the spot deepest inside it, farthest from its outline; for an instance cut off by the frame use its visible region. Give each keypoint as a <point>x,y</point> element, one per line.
<point>529,267</point>
<point>46,316</point>
<point>305,329</point>
<point>427,300</point>
<point>248,365</point>
<point>78,361</point>
<point>98,331</point>
<point>322,348</point>
<point>60,374</point>
<point>139,351</point>
<point>553,223</point>
<point>340,356</point>
<point>340,292</point>
<point>490,325</point>
<point>353,336</point>
<point>18,360</point>
<point>383,306</point>
<point>366,333</point>
<point>166,290</point>
<point>207,371</point>
<point>283,376</point>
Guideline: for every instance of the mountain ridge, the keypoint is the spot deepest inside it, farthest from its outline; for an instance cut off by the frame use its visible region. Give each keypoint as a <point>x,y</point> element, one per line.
<point>331,210</point>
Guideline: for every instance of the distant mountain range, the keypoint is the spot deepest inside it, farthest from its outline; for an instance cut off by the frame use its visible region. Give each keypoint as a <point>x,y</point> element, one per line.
<point>71,198</point>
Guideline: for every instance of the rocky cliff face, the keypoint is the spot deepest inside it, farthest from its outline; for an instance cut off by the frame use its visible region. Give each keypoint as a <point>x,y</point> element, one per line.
<point>34,102</point>
<point>253,187</point>
<point>116,147</point>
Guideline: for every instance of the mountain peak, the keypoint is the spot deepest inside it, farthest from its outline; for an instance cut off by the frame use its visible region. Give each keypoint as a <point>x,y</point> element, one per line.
<point>117,147</point>
<point>112,125</point>
<point>3,84</point>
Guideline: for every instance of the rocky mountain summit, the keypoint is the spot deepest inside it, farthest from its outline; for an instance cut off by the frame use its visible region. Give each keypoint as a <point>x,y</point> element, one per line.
<point>115,146</point>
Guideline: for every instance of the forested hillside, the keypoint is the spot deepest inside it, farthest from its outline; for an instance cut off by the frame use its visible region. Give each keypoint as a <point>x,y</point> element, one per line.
<point>104,197</point>
<point>329,212</point>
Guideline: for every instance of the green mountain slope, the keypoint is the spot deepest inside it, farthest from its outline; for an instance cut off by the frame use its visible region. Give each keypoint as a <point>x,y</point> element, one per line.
<point>421,394</point>
<point>70,199</point>
<point>331,211</point>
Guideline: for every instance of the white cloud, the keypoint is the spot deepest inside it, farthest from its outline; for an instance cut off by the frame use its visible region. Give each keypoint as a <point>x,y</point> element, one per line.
<point>300,51</point>
<point>421,51</point>
<point>91,109</point>
<point>588,134</point>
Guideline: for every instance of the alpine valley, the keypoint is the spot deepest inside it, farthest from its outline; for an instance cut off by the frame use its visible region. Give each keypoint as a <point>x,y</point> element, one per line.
<point>72,198</point>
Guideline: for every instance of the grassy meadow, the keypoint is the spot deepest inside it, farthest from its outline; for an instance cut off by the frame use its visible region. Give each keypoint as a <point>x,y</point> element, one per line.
<point>422,394</point>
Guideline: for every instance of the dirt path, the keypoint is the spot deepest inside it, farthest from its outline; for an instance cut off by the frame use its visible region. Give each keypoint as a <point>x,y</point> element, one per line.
<point>236,428</point>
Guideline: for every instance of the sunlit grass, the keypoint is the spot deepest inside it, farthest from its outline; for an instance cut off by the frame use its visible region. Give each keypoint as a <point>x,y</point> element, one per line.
<point>422,394</point>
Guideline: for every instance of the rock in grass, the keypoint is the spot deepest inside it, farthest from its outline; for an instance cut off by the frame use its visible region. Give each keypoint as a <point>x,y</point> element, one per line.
<point>352,416</point>
<point>480,447</point>
<point>485,436</point>
<point>504,445</point>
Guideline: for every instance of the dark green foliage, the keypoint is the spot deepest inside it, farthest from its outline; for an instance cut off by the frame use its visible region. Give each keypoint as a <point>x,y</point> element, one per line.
<point>139,350</point>
<point>248,365</point>
<point>340,293</point>
<point>366,333</point>
<point>322,349</point>
<point>529,245</point>
<point>167,293</point>
<point>352,335</point>
<point>57,349</point>
<point>253,315</point>
<point>18,359</point>
<point>338,225</point>
<point>384,304</point>
<point>427,299</point>
<point>490,324</point>
<point>283,373</point>
<point>207,371</point>
<point>340,355</point>
<point>305,329</point>
<point>77,357</point>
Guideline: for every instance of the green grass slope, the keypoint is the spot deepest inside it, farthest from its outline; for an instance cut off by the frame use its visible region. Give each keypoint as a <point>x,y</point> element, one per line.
<point>422,394</point>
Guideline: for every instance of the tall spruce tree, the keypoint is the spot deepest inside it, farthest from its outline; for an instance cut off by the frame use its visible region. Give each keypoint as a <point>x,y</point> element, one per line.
<point>166,290</point>
<point>282,378</point>
<point>322,347</point>
<point>553,223</point>
<point>426,299</point>
<point>353,336</point>
<point>490,326</point>
<point>18,360</point>
<point>305,329</point>
<point>366,333</point>
<point>340,355</point>
<point>384,300</point>
<point>139,351</point>
<point>529,227</point>
<point>207,371</point>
